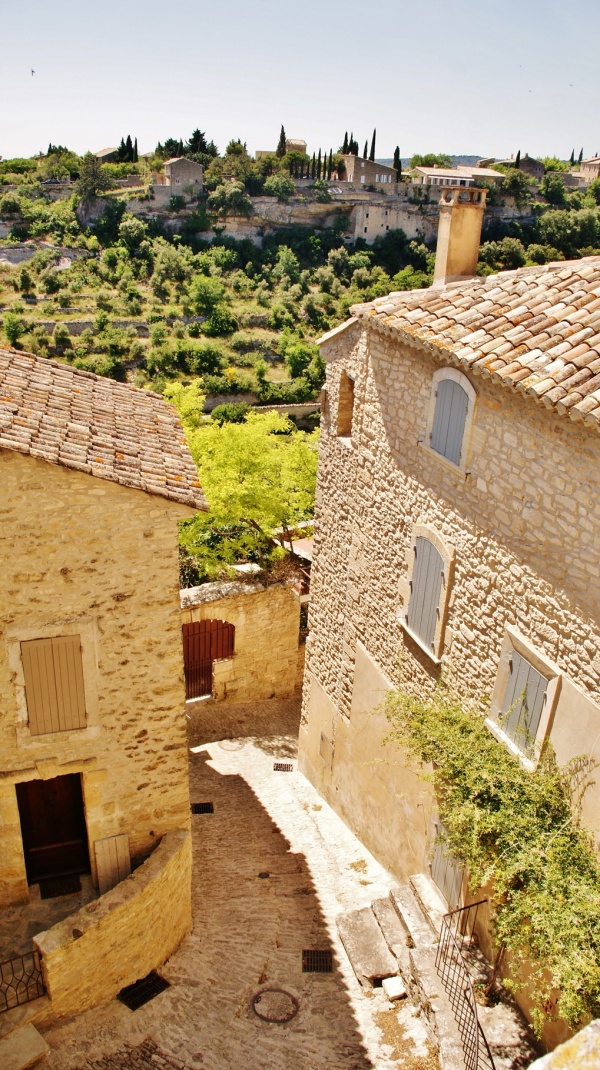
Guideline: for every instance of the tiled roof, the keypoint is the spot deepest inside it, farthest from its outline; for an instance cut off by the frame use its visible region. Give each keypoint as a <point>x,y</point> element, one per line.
<point>535,330</point>
<point>95,425</point>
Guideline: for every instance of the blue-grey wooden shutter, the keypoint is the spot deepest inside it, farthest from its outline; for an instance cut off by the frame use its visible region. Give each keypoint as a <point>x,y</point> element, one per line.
<point>523,702</point>
<point>425,588</point>
<point>449,419</point>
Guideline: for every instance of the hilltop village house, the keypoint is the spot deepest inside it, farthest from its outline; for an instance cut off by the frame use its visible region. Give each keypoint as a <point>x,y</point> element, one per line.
<point>457,529</point>
<point>95,475</point>
<point>359,172</point>
<point>453,176</point>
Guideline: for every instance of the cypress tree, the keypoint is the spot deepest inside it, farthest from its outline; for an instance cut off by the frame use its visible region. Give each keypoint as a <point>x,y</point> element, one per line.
<point>572,157</point>
<point>313,167</point>
<point>129,149</point>
<point>330,165</point>
<point>281,143</point>
<point>581,156</point>
<point>518,160</point>
<point>345,145</point>
<point>366,150</point>
<point>319,164</point>
<point>398,162</point>
<point>351,145</point>
<point>135,152</point>
<point>372,152</point>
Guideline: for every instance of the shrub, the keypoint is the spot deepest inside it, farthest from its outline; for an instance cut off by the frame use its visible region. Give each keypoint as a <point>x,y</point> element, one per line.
<point>205,294</point>
<point>199,357</point>
<point>232,413</point>
<point>219,322</point>
<point>14,327</point>
<point>61,337</point>
<point>50,282</point>
<point>279,186</point>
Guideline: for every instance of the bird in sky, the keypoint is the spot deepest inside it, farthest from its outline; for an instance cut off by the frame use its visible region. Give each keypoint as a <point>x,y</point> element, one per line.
<point>32,72</point>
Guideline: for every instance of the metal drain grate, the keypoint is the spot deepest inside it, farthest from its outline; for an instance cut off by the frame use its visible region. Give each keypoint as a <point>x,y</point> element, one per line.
<point>134,996</point>
<point>203,808</point>
<point>317,961</point>
<point>283,767</point>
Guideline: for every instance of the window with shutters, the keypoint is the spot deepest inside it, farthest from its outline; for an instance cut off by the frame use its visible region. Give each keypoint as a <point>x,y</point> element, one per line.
<point>54,689</point>
<point>524,698</point>
<point>450,416</point>
<point>426,593</point>
<point>523,703</point>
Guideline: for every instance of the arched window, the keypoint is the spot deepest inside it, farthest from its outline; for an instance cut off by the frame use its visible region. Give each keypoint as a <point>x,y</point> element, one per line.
<point>450,415</point>
<point>425,591</point>
<point>345,406</point>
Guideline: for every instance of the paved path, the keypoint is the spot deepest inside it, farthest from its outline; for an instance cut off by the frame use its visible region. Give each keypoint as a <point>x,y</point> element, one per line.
<point>249,931</point>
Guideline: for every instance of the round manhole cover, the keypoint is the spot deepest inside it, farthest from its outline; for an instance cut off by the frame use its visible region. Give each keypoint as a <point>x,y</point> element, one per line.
<point>275,1005</point>
<point>232,744</point>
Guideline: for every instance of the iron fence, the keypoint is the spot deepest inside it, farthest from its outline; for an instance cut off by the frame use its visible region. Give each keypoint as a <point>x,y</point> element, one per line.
<point>456,937</point>
<point>20,980</point>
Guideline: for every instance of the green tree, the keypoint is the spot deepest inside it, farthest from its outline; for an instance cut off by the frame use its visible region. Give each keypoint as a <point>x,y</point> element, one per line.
<point>552,188</point>
<point>516,184</point>
<point>230,198</point>
<point>93,179</point>
<point>518,160</point>
<point>372,152</point>
<point>281,143</point>
<point>259,477</point>
<point>594,190</point>
<point>279,186</point>
<point>344,148</point>
<point>397,163</point>
<point>205,294</point>
<point>14,327</point>
<point>431,159</point>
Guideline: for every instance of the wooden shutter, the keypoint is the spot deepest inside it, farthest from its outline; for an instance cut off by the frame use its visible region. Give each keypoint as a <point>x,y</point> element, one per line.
<point>54,684</point>
<point>113,861</point>
<point>425,590</point>
<point>451,408</point>
<point>523,702</point>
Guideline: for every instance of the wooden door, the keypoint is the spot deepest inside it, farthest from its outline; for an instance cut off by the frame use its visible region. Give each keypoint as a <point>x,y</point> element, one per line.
<point>53,827</point>
<point>204,641</point>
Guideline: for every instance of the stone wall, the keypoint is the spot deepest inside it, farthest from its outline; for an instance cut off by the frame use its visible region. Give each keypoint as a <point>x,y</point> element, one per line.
<point>120,937</point>
<point>85,556</point>
<point>266,651</point>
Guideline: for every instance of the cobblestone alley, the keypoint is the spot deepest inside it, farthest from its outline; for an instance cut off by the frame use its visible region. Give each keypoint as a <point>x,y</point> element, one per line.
<point>250,929</point>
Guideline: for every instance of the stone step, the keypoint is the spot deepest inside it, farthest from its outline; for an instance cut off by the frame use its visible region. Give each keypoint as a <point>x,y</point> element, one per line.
<point>365,946</point>
<point>18,1016</point>
<point>394,933</point>
<point>418,929</point>
<point>22,1048</point>
<point>429,899</point>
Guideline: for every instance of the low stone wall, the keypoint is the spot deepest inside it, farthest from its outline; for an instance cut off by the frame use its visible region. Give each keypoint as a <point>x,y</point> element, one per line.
<point>267,625</point>
<point>132,929</point>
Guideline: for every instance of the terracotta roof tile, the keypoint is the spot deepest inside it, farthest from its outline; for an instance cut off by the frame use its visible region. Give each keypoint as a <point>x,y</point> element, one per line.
<point>93,424</point>
<point>535,330</point>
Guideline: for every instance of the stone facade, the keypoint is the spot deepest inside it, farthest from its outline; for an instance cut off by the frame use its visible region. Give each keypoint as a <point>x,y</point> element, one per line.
<point>368,172</point>
<point>90,557</point>
<point>520,524</point>
<point>267,658</point>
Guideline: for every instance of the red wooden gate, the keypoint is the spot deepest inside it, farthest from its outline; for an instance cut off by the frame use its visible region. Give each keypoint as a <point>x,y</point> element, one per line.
<point>204,641</point>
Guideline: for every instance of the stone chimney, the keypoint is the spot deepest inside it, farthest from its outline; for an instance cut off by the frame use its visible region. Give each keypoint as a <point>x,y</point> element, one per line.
<point>459,233</point>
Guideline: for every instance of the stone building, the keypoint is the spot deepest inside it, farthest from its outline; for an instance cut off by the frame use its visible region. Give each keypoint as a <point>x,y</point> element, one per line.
<point>457,529</point>
<point>453,176</point>
<point>590,169</point>
<point>95,475</point>
<point>534,168</point>
<point>179,174</point>
<point>360,171</point>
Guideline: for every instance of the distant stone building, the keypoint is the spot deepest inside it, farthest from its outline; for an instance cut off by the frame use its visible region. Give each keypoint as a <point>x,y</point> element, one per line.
<point>181,173</point>
<point>95,475</point>
<point>453,176</point>
<point>357,170</point>
<point>294,144</point>
<point>534,168</point>
<point>107,155</point>
<point>590,169</point>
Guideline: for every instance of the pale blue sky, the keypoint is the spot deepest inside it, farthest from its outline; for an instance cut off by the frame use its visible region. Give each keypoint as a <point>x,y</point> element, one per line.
<point>458,76</point>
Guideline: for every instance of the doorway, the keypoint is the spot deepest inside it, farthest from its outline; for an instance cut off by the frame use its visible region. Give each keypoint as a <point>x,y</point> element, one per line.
<point>204,641</point>
<point>53,827</point>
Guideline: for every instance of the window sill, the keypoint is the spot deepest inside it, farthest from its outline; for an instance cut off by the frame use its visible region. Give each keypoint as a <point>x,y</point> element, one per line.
<point>457,469</point>
<point>419,642</point>
<point>501,736</point>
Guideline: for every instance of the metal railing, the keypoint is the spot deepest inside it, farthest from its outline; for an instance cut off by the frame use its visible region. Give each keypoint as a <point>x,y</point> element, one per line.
<point>20,980</point>
<point>456,937</point>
